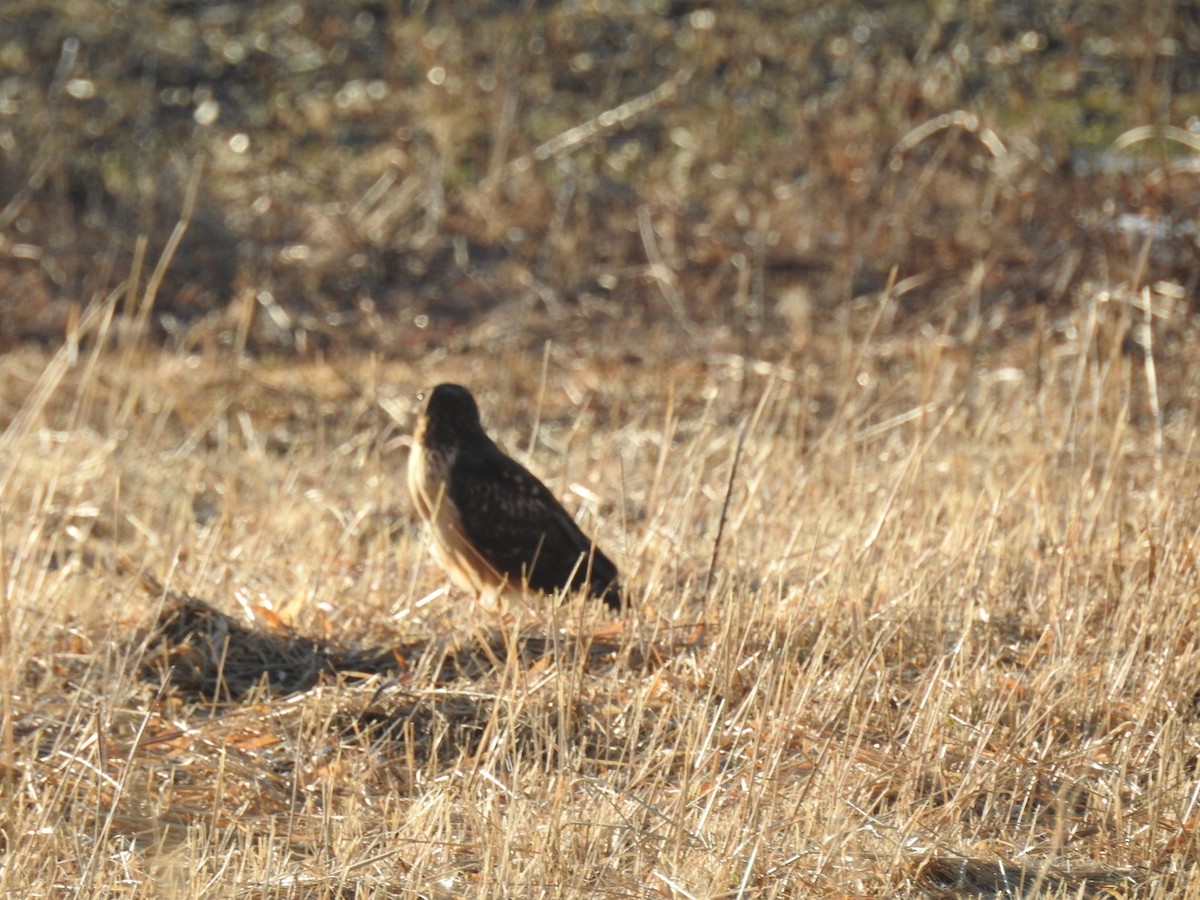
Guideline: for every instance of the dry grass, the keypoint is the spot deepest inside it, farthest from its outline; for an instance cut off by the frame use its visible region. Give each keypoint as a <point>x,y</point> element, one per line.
<point>374,175</point>
<point>950,646</point>
<point>932,635</point>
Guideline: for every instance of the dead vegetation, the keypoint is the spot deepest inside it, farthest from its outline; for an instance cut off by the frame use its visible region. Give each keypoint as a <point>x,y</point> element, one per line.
<point>949,647</point>
<point>864,340</point>
<point>368,175</point>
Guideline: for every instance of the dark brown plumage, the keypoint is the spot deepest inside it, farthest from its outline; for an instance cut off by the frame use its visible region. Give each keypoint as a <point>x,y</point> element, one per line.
<point>493,525</point>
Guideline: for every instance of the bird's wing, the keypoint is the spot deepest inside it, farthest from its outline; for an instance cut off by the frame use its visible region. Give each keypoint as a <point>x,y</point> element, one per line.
<point>519,528</point>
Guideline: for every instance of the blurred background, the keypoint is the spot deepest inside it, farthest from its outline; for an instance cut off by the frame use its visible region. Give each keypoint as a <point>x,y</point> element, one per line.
<point>316,176</point>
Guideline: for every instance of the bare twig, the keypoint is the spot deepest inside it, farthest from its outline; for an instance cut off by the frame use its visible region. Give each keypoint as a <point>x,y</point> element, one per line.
<point>595,127</point>
<point>662,274</point>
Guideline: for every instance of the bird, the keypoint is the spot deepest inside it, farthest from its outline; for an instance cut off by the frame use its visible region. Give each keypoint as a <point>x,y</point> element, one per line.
<point>494,527</point>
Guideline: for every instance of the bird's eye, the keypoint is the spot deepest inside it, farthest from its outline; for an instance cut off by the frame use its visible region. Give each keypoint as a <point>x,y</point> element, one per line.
<point>420,396</point>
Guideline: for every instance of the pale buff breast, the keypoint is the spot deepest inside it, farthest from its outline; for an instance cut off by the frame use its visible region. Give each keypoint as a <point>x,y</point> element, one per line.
<point>427,478</point>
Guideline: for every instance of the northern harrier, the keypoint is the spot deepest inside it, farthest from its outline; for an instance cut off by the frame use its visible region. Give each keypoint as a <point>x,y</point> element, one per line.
<point>494,527</point>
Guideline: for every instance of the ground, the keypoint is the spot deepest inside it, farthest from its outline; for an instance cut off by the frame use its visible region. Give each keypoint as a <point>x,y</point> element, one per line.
<point>880,391</point>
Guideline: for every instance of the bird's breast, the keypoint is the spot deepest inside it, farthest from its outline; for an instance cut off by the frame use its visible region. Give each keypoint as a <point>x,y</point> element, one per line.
<point>428,479</point>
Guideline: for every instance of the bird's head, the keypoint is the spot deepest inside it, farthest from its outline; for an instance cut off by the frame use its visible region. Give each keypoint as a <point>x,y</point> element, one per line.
<point>450,415</point>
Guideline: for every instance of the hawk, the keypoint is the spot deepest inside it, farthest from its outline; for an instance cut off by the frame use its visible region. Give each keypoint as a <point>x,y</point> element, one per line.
<point>493,526</point>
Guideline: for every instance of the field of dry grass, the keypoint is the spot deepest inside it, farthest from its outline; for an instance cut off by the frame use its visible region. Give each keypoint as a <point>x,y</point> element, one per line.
<point>949,644</point>
<point>863,338</point>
